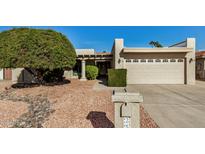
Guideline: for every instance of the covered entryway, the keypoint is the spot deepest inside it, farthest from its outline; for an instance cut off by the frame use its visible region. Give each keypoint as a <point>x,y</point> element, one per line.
<point>103,67</point>
<point>155,71</point>
<point>101,60</point>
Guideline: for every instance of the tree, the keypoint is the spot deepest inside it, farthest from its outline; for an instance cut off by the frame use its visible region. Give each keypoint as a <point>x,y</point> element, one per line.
<point>155,44</point>
<point>39,51</point>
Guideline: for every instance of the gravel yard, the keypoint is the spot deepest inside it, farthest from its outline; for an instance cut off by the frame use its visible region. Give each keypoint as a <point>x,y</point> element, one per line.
<point>73,105</point>
<point>9,111</point>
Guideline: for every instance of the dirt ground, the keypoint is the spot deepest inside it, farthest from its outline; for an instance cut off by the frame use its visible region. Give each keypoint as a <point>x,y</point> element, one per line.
<point>75,105</point>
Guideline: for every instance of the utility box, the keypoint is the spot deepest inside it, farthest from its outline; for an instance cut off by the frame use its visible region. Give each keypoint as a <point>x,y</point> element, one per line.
<point>127,109</point>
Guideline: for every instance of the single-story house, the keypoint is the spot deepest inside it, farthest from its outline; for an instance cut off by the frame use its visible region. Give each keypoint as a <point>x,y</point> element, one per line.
<point>200,65</point>
<point>167,65</point>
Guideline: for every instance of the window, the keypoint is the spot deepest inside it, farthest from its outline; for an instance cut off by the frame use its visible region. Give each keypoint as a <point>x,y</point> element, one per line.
<point>143,60</point>
<point>180,60</point>
<point>135,60</point>
<point>165,60</point>
<point>150,60</point>
<point>128,60</point>
<point>158,60</point>
<point>173,60</point>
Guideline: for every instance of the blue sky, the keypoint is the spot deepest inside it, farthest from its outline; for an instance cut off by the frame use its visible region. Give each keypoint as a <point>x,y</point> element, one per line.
<point>101,38</point>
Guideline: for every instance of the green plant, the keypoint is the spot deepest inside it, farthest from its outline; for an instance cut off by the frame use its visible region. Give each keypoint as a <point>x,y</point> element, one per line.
<point>41,52</point>
<point>155,44</point>
<point>117,77</point>
<point>91,72</point>
<point>55,75</point>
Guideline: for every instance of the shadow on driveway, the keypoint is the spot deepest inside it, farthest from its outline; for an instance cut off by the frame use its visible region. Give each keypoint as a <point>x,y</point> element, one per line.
<point>99,120</point>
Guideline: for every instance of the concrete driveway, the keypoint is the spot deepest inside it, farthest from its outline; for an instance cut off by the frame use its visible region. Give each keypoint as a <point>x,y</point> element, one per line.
<point>174,105</point>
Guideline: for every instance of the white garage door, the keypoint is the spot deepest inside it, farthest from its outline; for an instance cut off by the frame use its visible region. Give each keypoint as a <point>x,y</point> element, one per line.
<point>155,71</point>
<point>1,74</point>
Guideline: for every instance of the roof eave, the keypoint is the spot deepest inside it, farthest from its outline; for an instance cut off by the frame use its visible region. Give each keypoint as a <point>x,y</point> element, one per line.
<point>157,50</point>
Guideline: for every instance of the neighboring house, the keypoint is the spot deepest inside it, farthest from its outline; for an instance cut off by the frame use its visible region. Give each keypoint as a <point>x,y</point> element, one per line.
<point>200,65</point>
<point>166,65</point>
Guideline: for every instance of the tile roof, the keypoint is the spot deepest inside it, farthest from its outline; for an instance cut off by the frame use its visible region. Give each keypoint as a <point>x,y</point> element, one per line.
<point>200,53</point>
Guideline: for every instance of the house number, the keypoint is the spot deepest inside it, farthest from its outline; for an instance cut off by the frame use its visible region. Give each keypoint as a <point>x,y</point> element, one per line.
<point>126,122</point>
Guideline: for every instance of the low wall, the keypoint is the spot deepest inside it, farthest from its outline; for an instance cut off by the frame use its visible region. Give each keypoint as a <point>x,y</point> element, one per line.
<point>20,75</point>
<point>7,74</point>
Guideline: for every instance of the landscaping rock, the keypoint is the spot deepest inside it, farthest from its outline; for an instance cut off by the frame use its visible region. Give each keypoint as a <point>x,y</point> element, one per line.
<point>39,109</point>
<point>74,104</point>
<point>145,120</point>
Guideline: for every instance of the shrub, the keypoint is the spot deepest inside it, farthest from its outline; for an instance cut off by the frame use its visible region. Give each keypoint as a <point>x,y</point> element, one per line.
<point>55,75</point>
<point>43,53</point>
<point>91,72</point>
<point>117,77</point>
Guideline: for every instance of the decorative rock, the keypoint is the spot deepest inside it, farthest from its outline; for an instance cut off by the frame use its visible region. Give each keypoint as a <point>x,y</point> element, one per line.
<point>39,109</point>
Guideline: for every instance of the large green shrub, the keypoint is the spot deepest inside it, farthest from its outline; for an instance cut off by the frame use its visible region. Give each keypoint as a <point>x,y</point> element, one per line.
<point>117,77</point>
<point>91,72</point>
<point>41,52</point>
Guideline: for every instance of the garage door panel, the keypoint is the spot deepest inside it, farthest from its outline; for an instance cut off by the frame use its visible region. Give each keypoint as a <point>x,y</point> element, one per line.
<point>155,73</point>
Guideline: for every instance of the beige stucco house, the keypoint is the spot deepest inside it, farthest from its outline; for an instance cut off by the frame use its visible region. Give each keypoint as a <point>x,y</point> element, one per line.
<point>168,65</point>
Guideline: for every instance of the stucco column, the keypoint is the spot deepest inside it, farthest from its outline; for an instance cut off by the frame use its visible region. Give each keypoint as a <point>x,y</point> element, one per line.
<point>83,78</point>
<point>190,62</point>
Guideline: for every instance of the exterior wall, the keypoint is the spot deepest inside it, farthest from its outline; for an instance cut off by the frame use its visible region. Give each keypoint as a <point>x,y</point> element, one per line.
<point>68,74</point>
<point>7,74</point>
<point>116,51</point>
<point>17,75</point>
<point>20,75</point>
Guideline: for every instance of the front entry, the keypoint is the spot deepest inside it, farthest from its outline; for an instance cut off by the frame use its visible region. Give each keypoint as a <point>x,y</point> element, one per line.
<point>103,67</point>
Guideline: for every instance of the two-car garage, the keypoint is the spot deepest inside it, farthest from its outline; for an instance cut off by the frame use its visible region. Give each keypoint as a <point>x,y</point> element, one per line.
<point>158,65</point>
<point>155,71</point>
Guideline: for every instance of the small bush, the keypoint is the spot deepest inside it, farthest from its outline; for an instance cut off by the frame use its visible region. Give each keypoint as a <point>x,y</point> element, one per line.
<point>91,72</point>
<point>117,77</point>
